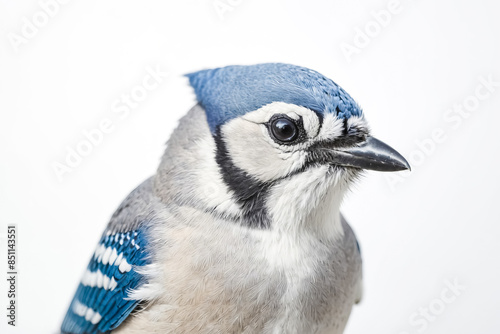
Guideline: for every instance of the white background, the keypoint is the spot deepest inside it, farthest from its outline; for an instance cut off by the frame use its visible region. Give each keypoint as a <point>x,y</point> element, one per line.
<point>438,223</point>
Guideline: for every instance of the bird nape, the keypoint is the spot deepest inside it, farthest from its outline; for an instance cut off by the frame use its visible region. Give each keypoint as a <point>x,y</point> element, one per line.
<point>240,228</point>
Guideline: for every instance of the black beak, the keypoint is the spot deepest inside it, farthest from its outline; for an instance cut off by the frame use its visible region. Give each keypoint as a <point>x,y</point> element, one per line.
<point>371,154</point>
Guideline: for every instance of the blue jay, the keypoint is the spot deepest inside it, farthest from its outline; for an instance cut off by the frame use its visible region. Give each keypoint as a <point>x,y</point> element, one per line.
<point>240,230</point>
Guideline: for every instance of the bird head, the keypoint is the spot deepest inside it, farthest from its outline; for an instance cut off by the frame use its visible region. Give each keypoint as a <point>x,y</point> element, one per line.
<point>285,141</point>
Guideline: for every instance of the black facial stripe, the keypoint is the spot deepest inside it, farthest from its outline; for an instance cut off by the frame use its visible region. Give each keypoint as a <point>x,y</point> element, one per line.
<point>320,119</point>
<point>250,193</point>
<point>341,142</point>
<point>345,130</point>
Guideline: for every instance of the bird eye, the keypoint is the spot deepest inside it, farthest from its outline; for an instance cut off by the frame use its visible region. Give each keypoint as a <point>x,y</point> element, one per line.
<point>284,129</point>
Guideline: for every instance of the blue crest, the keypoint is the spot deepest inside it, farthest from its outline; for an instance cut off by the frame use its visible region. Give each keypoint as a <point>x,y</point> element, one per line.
<point>232,91</point>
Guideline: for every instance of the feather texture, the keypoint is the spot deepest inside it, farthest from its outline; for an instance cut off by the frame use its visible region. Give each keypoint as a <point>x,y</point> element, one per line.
<point>232,91</point>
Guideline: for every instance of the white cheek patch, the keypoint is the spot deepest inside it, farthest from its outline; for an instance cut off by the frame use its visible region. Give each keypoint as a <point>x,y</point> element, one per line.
<point>251,150</point>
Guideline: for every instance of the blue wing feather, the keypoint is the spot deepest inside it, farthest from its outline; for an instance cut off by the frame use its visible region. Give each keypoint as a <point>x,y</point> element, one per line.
<point>101,301</point>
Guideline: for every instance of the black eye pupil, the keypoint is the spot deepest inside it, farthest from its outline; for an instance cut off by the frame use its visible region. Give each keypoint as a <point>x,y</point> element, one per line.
<point>284,130</point>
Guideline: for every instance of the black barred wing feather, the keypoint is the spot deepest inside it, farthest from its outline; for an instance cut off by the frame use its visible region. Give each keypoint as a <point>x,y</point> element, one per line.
<point>102,302</point>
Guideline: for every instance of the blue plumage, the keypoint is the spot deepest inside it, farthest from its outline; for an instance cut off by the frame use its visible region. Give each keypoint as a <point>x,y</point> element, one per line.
<point>232,91</point>
<point>252,187</point>
<point>101,301</point>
